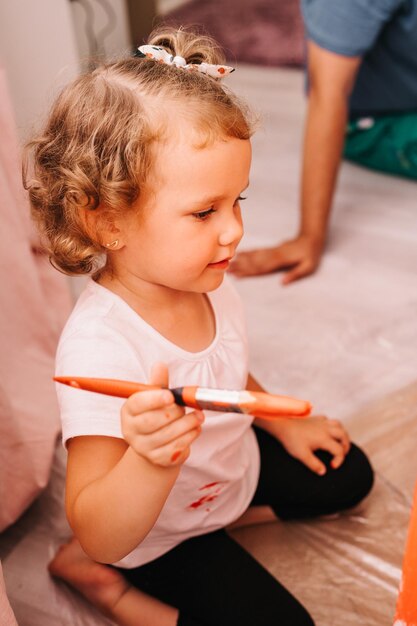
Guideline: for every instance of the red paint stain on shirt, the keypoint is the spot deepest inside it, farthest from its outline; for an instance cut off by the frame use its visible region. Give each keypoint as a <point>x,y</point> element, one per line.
<point>208,486</point>
<point>202,500</point>
<point>216,488</point>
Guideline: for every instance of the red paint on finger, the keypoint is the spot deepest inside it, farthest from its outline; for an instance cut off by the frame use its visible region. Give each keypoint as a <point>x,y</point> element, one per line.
<point>176,455</point>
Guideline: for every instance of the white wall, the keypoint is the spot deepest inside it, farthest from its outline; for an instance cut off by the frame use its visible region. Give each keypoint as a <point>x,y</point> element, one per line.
<point>43,45</point>
<point>39,53</point>
<point>111,44</point>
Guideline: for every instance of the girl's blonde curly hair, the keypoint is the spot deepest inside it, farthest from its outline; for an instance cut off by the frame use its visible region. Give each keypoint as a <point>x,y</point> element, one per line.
<point>95,151</point>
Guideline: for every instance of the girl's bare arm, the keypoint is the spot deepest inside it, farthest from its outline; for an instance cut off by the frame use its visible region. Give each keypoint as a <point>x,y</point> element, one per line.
<point>113,495</point>
<point>116,488</point>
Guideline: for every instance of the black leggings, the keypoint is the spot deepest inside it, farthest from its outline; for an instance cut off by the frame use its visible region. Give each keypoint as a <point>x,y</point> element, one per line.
<point>213,581</point>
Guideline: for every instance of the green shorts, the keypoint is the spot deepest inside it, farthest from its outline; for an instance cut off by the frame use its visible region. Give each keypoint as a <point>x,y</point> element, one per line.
<point>387,144</point>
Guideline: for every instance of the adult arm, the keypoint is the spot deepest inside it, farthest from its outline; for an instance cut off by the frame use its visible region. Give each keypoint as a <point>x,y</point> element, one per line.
<point>331,78</point>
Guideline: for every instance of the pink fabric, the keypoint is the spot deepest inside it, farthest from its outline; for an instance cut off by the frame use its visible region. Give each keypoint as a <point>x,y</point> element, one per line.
<point>35,303</point>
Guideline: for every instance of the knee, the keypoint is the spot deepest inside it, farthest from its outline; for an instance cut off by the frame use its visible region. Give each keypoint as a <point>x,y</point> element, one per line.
<point>364,471</point>
<point>359,476</point>
<point>304,620</point>
<point>293,615</point>
<point>281,609</point>
<point>299,618</point>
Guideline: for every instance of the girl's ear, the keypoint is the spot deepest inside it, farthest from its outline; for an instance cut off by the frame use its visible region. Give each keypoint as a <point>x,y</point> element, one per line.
<point>110,236</point>
<point>101,228</point>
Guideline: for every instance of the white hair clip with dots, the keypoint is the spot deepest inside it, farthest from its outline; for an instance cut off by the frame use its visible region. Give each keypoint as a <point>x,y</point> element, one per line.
<point>157,53</point>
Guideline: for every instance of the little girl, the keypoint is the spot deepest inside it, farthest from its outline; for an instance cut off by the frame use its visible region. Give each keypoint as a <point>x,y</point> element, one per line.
<point>138,179</point>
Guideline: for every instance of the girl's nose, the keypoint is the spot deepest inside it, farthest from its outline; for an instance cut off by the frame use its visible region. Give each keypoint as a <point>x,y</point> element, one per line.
<point>232,231</point>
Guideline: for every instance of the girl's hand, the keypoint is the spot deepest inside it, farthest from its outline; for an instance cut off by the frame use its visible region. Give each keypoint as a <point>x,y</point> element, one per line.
<point>302,437</point>
<point>155,427</point>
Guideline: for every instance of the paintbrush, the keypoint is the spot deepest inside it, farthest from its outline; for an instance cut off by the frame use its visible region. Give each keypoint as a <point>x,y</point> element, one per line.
<point>256,403</point>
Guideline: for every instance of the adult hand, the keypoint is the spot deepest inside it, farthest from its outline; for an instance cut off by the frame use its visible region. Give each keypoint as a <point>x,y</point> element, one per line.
<point>300,256</point>
<point>157,428</point>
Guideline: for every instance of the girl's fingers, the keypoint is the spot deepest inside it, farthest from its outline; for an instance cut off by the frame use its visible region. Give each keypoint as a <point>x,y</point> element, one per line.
<point>344,441</point>
<point>159,375</point>
<point>338,432</point>
<point>148,411</point>
<point>337,460</point>
<point>175,430</point>
<point>336,450</point>
<point>152,421</point>
<point>156,427</point>
<point>177,451</point>
<point>312,462</point>
<point>151,400</point>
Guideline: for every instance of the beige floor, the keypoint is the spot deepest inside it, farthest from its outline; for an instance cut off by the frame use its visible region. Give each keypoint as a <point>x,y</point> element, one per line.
<point>345,339</point>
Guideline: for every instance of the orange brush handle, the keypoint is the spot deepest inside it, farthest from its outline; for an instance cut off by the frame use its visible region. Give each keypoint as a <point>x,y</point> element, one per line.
<point>268,406</point>
<point>254,403</point>
<point>107,386</point>
<point>406,614</point>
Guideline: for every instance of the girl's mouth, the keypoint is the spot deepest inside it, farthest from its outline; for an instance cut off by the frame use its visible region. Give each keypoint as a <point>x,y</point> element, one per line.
<point>220,265</point>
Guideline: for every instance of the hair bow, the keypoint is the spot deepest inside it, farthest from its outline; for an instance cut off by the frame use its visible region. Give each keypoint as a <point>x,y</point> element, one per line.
<point>163,56</point>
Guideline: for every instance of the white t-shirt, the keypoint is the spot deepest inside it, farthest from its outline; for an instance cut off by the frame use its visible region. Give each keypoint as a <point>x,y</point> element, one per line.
<point>105,338</point>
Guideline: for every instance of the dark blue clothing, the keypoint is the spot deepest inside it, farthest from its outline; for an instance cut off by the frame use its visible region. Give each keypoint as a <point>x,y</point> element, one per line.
<point>384,33</point>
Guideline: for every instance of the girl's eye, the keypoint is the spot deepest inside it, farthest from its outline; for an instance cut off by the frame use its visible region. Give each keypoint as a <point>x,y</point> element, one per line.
<point>203,215</point>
